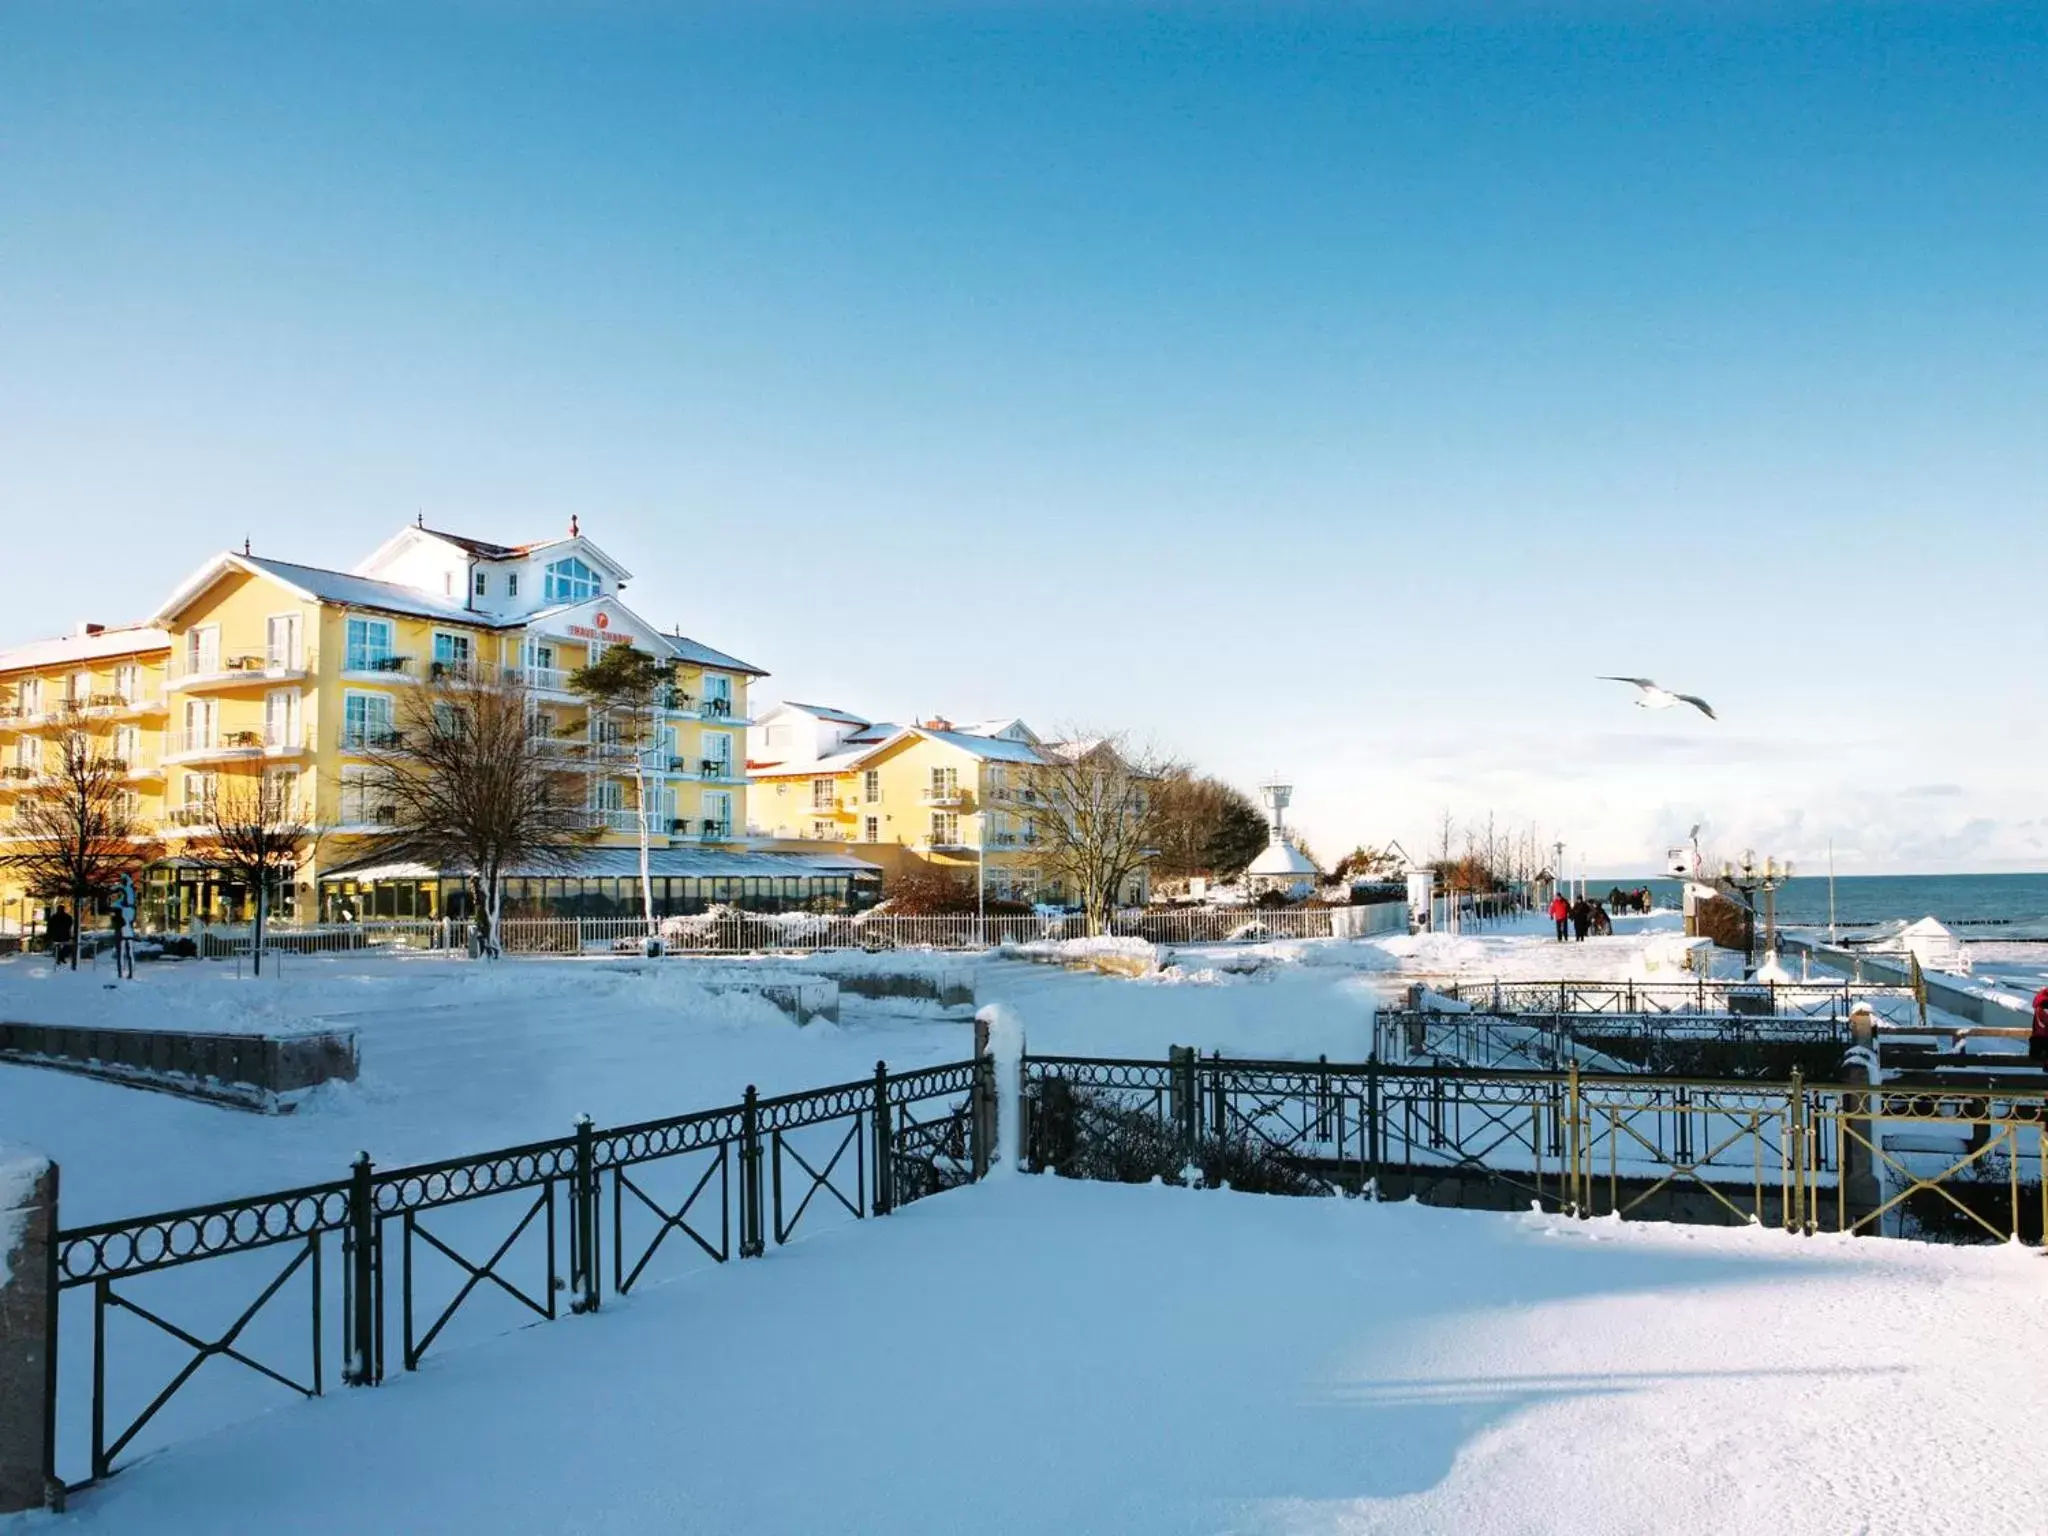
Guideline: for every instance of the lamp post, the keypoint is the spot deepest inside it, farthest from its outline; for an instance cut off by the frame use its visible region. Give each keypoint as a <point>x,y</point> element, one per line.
<point>1749,878</point>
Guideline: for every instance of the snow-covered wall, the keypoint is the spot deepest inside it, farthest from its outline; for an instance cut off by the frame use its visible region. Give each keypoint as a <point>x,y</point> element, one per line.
<point>27,1195</point>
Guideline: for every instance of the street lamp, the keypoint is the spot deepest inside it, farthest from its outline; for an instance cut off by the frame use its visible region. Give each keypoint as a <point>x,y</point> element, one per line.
<point>1749,878</point>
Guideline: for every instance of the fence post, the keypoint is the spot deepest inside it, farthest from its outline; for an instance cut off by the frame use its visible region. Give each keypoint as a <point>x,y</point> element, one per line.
<point>363,1349</point>
<point>1372,1122</point>
<point>28,1336</point>
<point>1180,1064</point>
<point>885,1170</point>
<point>1795,1210</point>
<point>583,1223</point>
<point>1574,1143</point>
<point>1219,1108</point>
<point>751,1243</point>
<point>981,1120</point>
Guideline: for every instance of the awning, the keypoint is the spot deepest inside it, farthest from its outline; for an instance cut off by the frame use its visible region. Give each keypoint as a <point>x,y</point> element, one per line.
<point>624,863</point>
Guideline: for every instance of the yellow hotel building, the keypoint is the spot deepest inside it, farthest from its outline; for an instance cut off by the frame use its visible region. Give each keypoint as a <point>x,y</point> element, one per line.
<point>260,666</point>
<point>959,799</point>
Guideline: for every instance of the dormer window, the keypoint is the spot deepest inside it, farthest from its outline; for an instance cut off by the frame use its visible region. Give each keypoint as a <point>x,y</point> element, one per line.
<point>512,584</point>
<point>482,583</point>
<point>571,581</point>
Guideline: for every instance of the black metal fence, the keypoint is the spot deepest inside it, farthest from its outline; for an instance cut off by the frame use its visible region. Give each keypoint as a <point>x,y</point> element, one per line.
<point>1710,1045</point>
<point>1779,999</point>
<point>1955,1165</point>
<point>467,1247</point>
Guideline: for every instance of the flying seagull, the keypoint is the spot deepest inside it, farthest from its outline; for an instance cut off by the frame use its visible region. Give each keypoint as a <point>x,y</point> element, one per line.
<point>1650,696</point>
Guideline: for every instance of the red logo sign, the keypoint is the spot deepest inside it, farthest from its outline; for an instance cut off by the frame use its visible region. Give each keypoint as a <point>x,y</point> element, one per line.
<point>604,620</point>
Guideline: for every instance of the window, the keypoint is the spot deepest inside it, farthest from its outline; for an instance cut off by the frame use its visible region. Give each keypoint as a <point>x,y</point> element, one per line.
<point>717,808</point>
<point>198,790</point>
<point>78,689</point>
<point>512,584</point>
<point>717,754</point>
<point>821,795</point>
<point>128,682</point>
<point>570,581</point>
<point>448,583</point>
<point>874,829</point>
<point>128,745</point>
<point>202,650</point>
<point>281,642</point>
<point>281,719</point>
<point>778,735</point>
<point>362,799</point>
<point>201,717</point>
<point>369,646</point>
<point>823,832</point>
<point>945,784</point>
<point>451,655</point>
<point>483,584</point>
<point>32,696</point>
<point>945,829</point>
<point>608,795</point>
<point>717,695</point>
<point>281,793</point>
<point>366,720</point>
<point>871,788</point>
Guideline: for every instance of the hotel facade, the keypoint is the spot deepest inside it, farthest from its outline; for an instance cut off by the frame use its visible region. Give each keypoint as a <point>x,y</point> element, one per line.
<point>962,800</point>
<point>257,666</point>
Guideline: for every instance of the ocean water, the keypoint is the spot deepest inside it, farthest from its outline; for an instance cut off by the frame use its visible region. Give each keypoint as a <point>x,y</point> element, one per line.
<point>1979,905</point>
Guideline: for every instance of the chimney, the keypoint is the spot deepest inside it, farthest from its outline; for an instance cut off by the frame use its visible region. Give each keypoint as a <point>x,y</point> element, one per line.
<point>87,629</point>
<point>938,723</point>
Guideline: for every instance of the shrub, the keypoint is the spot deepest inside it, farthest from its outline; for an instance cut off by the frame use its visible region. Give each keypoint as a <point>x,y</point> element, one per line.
<point>1084,1134</point>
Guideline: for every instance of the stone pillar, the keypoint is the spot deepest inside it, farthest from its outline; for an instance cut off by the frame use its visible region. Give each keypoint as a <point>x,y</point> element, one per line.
<point>28,1318</point>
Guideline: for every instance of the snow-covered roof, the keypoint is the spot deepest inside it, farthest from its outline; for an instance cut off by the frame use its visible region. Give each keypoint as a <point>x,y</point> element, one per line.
<point>320,585</point>
<point>1282,858</point>
<point>698,654</point>
<point>994,748</point>
<point>824,712</point>
<point>126,640</point>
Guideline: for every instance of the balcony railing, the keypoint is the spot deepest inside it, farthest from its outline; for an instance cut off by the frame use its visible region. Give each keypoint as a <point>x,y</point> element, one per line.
<point>187,671</point>
<point>942,798</point>
<point>367,815</point>
<point>539,679</point>
<point>20,771</point>
<point>675,701</point>
<point>714,831</point>
<point>378,663</point>
<point>715,768</point>
<point>376,738</point>
<point>714,709</point>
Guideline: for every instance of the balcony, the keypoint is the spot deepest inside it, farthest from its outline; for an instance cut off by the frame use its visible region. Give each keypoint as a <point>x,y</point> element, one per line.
<point>199,817</point>
<point>714,770</point>
<point>199,746</point>
<point>830,808</point>
<point>714,831</point>
<point>241,669</point>
<point>366,819</point>
<point>715,709</point>
<point>942,799</point>
<point>376,738</point>
<point>613,819</point>
<point>453,671</point>
<point>675,701</point>
<point>20,773</point>
<point>540,679</point>
<point>385,666</point>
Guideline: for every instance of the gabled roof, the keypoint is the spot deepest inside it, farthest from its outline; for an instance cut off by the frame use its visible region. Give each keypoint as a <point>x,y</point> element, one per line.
<point>317,584</point>
<point>486,549</point>
<point>998,749</point>
<point>125,640</point>
<point>824,712</point>
<point>482,548</point>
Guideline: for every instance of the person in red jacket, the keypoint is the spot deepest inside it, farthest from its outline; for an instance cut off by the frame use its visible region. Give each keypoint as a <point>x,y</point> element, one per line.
<point>2037,1039</point>
<point>1561,914</point>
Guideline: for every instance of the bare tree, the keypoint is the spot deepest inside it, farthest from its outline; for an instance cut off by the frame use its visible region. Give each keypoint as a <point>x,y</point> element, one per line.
<point>471,782</point>
<point>256,833</point>
<point>1097,819</point>
<point>626,690</point>
<point>76,830</point>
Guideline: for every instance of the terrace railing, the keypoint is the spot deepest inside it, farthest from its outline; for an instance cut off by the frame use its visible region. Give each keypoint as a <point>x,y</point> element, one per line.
<point>463,1248</point>
<point>1962,1164</point>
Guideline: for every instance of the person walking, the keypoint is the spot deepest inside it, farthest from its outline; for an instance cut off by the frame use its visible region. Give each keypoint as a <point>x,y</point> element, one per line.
<point>1560,914</point>
<point>60,930</point>
<point>1582,918</point>
<point>2037,1038</point>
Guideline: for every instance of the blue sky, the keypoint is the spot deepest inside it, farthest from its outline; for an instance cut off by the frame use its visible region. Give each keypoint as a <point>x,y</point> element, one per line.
<point>1326,389</point>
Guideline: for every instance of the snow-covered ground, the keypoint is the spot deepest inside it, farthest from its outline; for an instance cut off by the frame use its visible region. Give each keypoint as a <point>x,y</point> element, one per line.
<point>1039,1355</point>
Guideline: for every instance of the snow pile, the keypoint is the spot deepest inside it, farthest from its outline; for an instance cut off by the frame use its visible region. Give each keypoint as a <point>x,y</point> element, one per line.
<point>1128,956</point>
<point>1410,1370</point>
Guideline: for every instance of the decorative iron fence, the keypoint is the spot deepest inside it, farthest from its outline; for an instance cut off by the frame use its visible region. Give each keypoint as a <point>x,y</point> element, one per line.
<point>1685,1044</point>
<point>468,1246</point>
<point>1811,999</point>
<point>1949,1164</point>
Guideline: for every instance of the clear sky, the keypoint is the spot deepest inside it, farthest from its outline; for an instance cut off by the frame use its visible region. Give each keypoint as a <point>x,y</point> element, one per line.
<point>1333,390</point>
